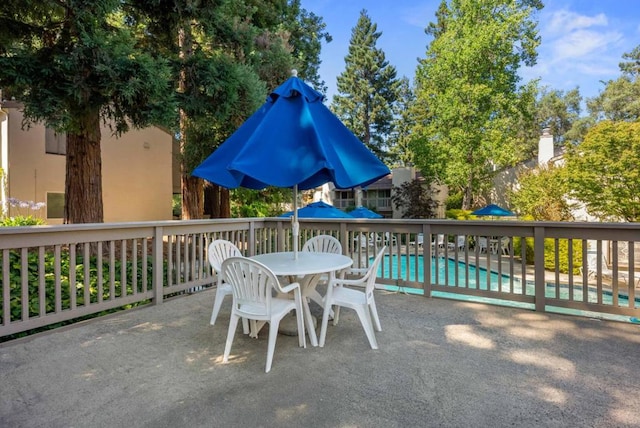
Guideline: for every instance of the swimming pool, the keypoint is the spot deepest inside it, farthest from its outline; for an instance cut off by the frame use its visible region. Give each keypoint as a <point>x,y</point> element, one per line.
<point>444,272</point>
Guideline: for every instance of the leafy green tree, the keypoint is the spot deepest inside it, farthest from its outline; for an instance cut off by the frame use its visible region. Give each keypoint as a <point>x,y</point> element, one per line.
<point>415,198</point>
<point>367,89</point>
<point>620,99</point>
<point>75,65</point>
<point>603,171</point>
<point>467,88</point>
<point>541,194</point>
<point>558,111</point>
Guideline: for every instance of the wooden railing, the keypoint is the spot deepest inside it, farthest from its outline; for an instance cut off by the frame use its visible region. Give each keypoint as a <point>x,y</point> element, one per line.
<point>59,273</point>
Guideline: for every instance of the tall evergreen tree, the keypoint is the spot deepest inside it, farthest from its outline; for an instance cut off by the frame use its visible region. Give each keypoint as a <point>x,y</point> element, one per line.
<point>468,93</point>
<point>400,151</point>
<point>74,65</point>
<point>367,89</point>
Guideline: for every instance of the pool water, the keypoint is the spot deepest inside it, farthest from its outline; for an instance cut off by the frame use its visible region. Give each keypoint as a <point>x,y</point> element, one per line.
<point>444,272</point>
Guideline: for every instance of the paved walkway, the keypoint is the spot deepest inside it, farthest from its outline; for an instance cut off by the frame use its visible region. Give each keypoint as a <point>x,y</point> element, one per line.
<point>440,364</point>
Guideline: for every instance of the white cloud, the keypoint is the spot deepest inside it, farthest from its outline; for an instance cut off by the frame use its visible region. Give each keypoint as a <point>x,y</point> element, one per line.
<point>564,21</point>
<point>581,43</point>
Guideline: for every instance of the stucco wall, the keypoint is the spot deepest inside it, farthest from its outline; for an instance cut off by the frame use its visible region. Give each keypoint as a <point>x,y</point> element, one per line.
<point>136,171</point>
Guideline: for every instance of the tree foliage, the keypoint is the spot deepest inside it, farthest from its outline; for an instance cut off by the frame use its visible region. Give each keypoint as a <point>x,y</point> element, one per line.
<point>603,171</point>
<point>73,65</point>
<point>467,90</point>
<point>197,68</point>
<point>415,199</point>
<point>367,89</point>
<point>559,111</point>
<point>400,151</point>
<point>541,194</point>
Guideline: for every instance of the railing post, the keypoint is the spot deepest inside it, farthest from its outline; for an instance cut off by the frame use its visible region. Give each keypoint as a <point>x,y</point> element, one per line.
<point>539,272</point>
<point>252,238</point>
<point>426,259</point>
<point>158,271</point>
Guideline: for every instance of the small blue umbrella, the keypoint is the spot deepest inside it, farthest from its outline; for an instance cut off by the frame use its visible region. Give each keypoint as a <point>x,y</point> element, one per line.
<point>319,209</point>
<point>293,141</point>
<point>493,210</point>
<point>363,212</point>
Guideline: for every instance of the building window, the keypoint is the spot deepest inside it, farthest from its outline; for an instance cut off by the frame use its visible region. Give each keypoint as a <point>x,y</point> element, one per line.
<point>379,198</point>
<point>55,205</point>
<point>55,144</point>
<point>344,199</point>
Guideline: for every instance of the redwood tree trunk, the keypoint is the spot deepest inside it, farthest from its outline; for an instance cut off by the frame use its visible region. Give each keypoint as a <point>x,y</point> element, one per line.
<point>83,181</point>
<point>192,207</point>
<point>216,201</point>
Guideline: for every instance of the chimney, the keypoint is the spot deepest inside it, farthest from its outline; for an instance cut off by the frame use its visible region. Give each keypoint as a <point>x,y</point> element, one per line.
<point>545,147</point>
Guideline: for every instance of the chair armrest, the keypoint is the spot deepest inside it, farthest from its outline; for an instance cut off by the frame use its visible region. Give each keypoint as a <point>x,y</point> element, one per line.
<point>357,270</point>
<point>341,281</point>
<point>289,287</point>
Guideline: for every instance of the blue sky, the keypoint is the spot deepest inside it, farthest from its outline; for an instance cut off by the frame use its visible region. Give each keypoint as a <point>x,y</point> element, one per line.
<point>582,40</point>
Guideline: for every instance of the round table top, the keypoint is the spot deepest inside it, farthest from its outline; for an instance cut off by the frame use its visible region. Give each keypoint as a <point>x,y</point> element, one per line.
<point>307,262</point>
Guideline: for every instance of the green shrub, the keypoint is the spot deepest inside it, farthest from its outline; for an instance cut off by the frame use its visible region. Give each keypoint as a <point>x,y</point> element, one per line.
<point>33,275</point>
<point>454,201</point>
<point>563,255</point>
<point>550,252</point>
<point>458,214</point>
<point>21,220</point>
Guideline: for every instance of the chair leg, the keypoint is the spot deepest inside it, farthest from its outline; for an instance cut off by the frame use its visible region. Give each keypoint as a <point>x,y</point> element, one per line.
<point>216,306</point>
<point>273,334</point>
<point>325,319</point>
<point>336,315</point>
<point>233,323</point>
<point>302,340</point>
<point>374,315</point>
<point>367,325</point>
<point>309,319</point>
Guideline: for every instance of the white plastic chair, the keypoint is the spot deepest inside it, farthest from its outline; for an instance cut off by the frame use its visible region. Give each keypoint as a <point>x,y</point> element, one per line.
<point>218,251</point>
<point>439,244</point>
<point>252,284</point>
<point>505,245</point>
<point>482,244</point>
<point>362,302</point>
<point>460,243</point>
<point>321,244</point>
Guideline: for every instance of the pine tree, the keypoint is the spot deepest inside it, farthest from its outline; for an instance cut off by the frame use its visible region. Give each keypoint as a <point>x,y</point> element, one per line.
<point>367,89</point>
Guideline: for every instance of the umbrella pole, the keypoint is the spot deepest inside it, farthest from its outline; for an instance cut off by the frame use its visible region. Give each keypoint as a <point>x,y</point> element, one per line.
<point>295,225</point>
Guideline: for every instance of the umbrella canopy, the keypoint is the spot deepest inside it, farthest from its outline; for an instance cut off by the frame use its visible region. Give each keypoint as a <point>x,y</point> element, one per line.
<point>493,210</point>
<point>319,210</point>
<point>294,141</point>
<point>363,212</point>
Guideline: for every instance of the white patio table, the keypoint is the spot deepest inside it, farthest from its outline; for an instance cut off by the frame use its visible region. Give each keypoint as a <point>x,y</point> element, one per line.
<point>310,266</point>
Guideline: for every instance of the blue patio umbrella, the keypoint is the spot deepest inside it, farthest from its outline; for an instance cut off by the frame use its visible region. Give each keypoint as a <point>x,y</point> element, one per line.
<point>319,209</point>
<point>292,141</point>
<point>363,212</point>
<point>493,210</point>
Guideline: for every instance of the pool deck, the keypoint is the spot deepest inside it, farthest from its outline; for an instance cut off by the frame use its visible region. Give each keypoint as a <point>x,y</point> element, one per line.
<point>441,363</point>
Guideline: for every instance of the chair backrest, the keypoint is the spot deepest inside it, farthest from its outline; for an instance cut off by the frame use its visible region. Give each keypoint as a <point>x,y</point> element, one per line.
<point>252,284</point>
<point>482,242</point>
<point>220,250</point>
<point>323,244</point>
<point>462,241</point>
<point>372,272</point>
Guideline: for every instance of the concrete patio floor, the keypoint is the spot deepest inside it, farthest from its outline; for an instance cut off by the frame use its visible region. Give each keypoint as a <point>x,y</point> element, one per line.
<point>441,363</point>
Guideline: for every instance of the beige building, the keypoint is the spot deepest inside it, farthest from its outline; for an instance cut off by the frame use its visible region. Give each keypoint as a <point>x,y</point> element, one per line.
<point>136,170</point>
